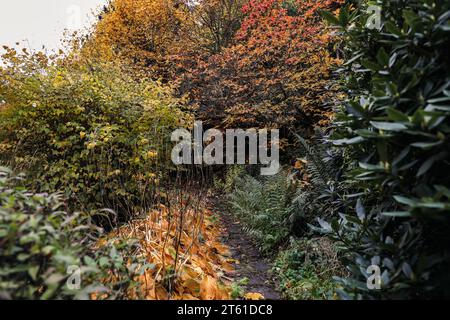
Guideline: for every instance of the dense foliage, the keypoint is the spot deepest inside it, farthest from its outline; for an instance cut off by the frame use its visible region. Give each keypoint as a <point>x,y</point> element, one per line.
<point>306,268</point>
<point>279,214</point>
<point>44,248</point>
<point>366,183</point>
<point>264,207</point>
<point>87,129</point>
<point>163,37</point>
<point>396,127</point>
<point>242,63</point>
<point>277,73</point>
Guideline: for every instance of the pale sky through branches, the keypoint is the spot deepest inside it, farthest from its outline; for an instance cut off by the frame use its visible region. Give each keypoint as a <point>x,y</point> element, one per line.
<point>42,22</point>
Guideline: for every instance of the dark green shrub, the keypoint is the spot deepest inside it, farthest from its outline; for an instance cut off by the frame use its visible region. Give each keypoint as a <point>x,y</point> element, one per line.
<point>40,242</point>
<point>395,127</point>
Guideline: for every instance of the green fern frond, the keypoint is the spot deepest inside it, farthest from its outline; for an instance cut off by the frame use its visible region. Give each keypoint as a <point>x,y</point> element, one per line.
<point>320,171</point>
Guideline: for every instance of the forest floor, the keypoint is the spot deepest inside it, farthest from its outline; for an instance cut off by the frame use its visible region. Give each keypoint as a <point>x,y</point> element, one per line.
<point>250,265</point>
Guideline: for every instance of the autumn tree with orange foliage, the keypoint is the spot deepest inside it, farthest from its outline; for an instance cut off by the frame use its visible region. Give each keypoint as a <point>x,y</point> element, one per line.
<point>163,37</point>
<point>145,34</point>
<point>257,63</point>
<point>276,74</point>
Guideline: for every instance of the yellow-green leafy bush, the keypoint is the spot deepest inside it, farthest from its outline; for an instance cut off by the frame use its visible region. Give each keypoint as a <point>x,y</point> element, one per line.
<point>88,129</point>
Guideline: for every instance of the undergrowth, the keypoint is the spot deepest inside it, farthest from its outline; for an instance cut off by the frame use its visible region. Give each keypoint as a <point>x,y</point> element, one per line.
<point>306,268</point>
<point>275,212</point>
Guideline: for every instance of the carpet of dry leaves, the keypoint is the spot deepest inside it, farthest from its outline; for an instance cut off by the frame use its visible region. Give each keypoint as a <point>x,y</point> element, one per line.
<point>182,244</point>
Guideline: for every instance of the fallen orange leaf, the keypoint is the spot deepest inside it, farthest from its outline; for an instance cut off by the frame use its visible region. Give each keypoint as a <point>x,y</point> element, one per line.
<point>253,296</point>
<point>208,288</point>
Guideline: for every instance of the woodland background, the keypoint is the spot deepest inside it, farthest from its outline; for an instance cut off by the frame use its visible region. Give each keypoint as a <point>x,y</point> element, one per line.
<point>86,176</point>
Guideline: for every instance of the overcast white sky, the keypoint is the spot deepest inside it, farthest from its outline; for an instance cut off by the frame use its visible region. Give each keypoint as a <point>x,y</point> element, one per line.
<point>42,22</point>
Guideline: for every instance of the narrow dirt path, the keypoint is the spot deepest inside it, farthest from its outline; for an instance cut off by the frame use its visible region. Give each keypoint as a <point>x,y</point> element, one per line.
<point>252,265</point>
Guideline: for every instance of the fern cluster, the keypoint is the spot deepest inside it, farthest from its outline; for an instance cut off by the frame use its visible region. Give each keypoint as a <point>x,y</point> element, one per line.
<point>324,195</point>
<point>264,206</point>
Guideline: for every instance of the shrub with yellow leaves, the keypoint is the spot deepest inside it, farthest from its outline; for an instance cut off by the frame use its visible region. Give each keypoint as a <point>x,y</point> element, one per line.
<point>86,128</point>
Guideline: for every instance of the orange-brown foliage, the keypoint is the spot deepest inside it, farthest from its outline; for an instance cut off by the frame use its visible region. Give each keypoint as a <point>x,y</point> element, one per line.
<point>182,244</point>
